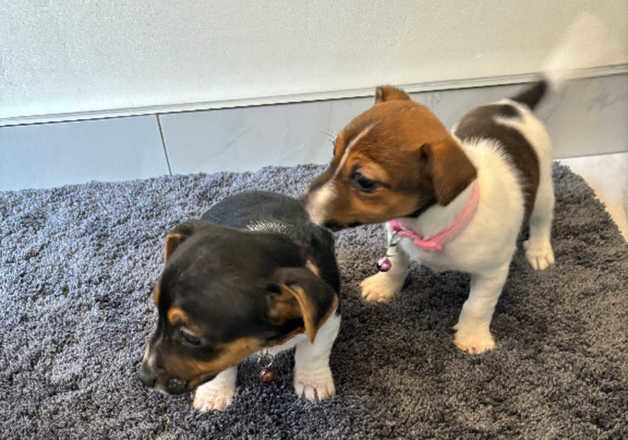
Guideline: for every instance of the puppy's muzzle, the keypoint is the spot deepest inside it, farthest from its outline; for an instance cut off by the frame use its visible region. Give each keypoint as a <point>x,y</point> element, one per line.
<point>152,379</point>
<point>176,386</point>
<point>147,375</point>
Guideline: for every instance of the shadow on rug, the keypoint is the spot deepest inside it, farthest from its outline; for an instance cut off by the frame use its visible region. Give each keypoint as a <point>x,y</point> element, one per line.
<point>77,265</point>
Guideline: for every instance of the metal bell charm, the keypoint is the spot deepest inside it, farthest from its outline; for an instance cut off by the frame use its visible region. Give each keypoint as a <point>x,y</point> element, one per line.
<point>384,264</point>
<point>264,362</point>
<point>266,375</point>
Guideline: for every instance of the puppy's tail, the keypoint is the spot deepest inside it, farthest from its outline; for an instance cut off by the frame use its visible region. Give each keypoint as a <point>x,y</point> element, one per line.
<point>532,94</point>
<point>586,43</point>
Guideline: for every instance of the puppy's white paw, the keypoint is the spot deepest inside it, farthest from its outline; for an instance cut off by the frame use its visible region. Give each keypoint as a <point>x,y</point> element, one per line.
<point>380,287</point>
<point>539,254</point>
<point>474,341</point>
<point>314,385</point>
<point>212,398</point>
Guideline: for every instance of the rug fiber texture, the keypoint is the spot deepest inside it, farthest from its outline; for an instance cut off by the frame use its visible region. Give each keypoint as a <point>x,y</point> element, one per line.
<point>77,265</point>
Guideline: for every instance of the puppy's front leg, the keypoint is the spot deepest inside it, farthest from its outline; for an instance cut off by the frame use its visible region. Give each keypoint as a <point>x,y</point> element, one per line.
<point>216,394</point>
<point>312,375</point>
<point>473,329</point>
<point>384,285</point>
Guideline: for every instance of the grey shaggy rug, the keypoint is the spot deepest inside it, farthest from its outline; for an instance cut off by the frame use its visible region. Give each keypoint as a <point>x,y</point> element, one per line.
<point>78,264</point>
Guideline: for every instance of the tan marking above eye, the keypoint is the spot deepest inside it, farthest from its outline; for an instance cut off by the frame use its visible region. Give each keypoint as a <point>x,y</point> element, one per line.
<point>359,162</point>
<point>176,316</point>
<point>373,171</point>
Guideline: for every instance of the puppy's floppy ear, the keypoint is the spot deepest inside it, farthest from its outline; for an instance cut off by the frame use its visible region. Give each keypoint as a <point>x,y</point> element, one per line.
<point>390,93</point>
<point>299,294</point>
<point>179,234</point>
<point>449,168</point>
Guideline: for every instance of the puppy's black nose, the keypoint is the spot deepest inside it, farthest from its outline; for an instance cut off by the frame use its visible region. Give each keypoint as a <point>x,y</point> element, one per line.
<point>147,377</point>
<point>176,386</point>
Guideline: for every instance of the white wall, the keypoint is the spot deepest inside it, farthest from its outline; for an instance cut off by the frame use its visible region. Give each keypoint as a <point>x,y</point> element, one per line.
<point>69,56</point>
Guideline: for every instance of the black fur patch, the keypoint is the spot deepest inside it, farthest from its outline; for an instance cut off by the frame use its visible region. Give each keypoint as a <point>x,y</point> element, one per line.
<point>261,207</point>
<point>480,123</point>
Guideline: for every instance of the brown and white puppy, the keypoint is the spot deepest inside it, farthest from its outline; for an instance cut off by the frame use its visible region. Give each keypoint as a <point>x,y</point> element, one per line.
<point>397,161</point>
<point>253,274</point>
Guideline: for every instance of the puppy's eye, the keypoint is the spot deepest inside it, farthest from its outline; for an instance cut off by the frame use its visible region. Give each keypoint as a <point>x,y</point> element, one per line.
<point>189,337</point>
<point>364,183</point>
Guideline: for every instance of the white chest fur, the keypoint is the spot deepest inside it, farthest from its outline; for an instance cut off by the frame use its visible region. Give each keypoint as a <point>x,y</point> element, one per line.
<point>491,234</point>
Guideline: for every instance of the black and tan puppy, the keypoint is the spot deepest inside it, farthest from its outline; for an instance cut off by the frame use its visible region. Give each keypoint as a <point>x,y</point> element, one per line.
<point>253,274</point>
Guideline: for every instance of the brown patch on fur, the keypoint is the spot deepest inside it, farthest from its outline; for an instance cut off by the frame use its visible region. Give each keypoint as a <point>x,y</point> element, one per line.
<point>173,240</point>
<point>480,123</point>
<point>284,306</point>
<point>156,292</point>
<point>308,311</point>
<point>313,268</point>
<point>176,316</point>
<point>291,303</point>
<point>195,371</point>
<point>450,168</point>
<point>407,152</point>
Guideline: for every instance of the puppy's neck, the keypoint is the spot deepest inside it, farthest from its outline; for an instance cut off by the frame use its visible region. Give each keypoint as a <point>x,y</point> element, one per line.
<point>438,217</point>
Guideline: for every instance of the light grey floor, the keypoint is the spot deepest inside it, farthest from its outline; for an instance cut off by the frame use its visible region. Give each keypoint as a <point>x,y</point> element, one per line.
<point>608,176</point>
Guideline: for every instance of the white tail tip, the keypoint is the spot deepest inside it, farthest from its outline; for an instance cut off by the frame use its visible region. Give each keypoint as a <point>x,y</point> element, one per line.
<point>586,43</point>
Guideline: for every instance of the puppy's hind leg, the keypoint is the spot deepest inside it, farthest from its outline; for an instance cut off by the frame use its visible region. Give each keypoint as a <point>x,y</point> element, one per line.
<point>473,332</point>
<point>383,286</point>
<point>538,247</point>
<point>312,376</point>
<point>216,394</point>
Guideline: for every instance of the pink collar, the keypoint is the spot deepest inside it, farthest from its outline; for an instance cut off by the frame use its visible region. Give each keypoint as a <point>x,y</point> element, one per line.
<point>438,241</point>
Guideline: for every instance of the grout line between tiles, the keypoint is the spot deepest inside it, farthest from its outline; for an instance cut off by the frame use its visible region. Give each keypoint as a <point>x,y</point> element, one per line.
<point>163,143</point>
